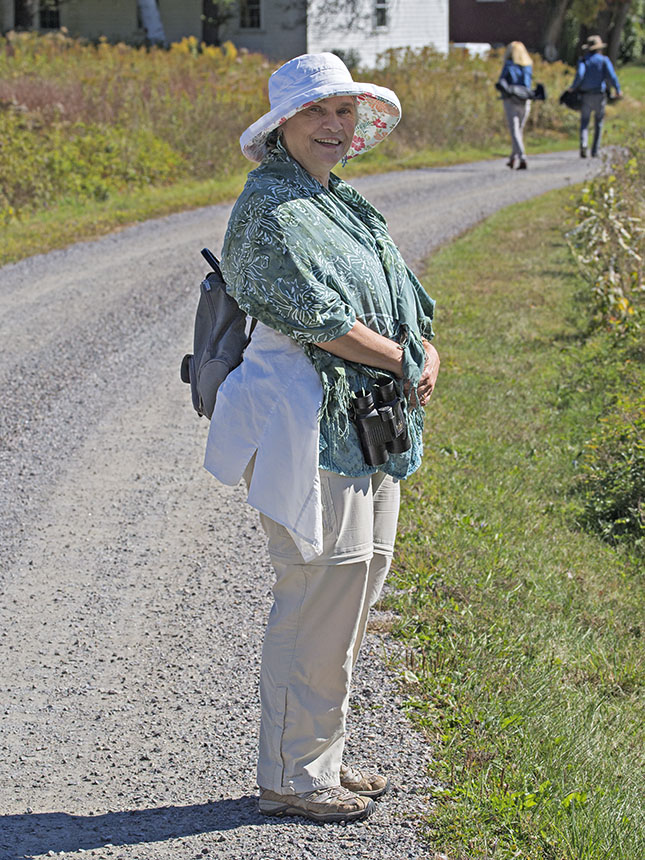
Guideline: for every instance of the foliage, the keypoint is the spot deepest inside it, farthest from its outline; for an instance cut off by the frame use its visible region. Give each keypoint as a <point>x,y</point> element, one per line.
<point>608,242</point>
<point>612,480</point>
<point>451,101</point>
<point>632,45</point>
<point>584,17</point>
<point>188,105</point>
<point>82,161</point>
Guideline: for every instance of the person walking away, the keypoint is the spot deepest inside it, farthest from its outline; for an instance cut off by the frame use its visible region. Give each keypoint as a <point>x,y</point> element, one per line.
<point>338,311</point>
<point>517,71</point>
<point>594,74</point>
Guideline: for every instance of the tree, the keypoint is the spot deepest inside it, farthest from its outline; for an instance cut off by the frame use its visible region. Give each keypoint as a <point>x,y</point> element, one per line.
<point>25,14</point>
<point>215,14</point>
<point>605,17</point>
<point>553,29</point>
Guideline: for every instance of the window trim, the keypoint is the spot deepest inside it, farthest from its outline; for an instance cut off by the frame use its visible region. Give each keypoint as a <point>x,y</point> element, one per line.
<point>44,11</point>
<point>383,7</point>
<point>256,7</point>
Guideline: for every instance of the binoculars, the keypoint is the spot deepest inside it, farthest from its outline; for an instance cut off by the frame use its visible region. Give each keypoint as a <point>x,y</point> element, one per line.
<point>380,421</point>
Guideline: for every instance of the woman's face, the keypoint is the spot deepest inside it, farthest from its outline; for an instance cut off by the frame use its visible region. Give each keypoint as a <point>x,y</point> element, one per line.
<point>319,135</point>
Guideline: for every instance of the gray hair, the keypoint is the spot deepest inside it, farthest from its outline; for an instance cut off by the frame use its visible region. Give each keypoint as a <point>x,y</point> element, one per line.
<point>272,139</point>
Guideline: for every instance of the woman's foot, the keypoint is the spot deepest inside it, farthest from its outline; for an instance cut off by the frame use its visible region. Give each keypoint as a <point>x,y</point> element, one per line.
<point>362,782</point>
<point>523,164</point>
<point>323,804</point>
<point>511,162</point>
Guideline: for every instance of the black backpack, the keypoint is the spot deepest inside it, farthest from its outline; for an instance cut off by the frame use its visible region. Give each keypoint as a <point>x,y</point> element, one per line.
<point>219,341</point>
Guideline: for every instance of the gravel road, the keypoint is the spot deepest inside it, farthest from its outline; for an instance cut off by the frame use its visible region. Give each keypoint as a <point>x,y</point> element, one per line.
<point>135,588</point>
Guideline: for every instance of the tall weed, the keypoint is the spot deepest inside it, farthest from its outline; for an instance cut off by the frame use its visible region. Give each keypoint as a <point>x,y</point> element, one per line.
<point>612,481</point>
<point>608,242</point>
<point>451,101</point>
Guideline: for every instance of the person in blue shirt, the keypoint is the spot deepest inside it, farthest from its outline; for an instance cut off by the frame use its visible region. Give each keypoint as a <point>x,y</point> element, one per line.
<point>517,72</point>
<point>594,75</point>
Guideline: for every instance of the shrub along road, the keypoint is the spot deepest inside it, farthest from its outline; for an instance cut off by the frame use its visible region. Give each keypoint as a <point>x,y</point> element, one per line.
<point>135,587</point>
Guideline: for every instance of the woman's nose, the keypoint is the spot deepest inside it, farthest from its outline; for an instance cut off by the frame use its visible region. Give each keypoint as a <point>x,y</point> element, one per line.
<point>332,122</point>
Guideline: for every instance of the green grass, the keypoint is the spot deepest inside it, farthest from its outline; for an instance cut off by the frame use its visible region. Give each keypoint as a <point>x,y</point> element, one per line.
<point>632,80</point>
<point>525,660</point>
<point>75,221</point>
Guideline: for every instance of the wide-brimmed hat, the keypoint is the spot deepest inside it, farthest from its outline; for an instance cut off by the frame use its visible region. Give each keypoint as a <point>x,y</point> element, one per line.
<point>594,43</point>
<point>310,78</point>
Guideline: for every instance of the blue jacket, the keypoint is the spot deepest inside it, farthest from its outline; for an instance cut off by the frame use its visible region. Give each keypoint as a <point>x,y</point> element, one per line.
<point>594,72</point>
<point>515,74</point>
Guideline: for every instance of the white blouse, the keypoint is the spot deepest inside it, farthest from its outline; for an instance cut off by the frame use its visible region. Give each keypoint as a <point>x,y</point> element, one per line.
<point>269,405</point>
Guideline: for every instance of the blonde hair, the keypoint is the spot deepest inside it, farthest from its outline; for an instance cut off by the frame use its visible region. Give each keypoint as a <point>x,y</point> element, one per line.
<point>516,52</point>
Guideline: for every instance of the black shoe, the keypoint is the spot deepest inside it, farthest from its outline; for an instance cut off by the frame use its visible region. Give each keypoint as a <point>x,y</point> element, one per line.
<point>523,165</point>
<point>583,152</point>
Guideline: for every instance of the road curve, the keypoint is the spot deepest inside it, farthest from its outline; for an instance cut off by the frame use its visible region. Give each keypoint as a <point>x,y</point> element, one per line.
<point>134,587</point>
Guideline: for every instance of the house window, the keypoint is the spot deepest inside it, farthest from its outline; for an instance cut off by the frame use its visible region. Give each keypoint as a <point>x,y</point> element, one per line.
<point>250,14</point>
<point>380,13</point>
<point>49,14</point>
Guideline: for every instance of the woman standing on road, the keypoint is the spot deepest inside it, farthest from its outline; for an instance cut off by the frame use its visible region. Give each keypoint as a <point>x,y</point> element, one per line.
<point>313,262</point>
<point>515,85</point>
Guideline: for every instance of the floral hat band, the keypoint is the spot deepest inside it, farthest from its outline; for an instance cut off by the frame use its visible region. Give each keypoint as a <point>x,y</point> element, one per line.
<point>310,78</point>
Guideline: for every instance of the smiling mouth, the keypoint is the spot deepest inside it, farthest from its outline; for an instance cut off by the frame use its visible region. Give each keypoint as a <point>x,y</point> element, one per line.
<point>328,141</point>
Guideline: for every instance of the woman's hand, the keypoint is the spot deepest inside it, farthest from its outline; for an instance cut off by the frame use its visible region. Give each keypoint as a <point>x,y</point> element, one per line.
<point>428,377</point>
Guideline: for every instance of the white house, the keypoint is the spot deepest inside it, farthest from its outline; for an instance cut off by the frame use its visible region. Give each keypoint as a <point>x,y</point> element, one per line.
<point>281,29</point>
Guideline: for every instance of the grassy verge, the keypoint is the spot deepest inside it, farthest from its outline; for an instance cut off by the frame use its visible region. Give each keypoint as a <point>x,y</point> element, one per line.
<point>74,221</point>
<point>524,634</point>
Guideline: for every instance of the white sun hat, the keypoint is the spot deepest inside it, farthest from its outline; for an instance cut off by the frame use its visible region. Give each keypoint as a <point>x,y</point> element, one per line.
<point>310,78</point>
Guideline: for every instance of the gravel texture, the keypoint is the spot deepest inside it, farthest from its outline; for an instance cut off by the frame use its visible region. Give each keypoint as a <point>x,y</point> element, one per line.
<point>135,588</point>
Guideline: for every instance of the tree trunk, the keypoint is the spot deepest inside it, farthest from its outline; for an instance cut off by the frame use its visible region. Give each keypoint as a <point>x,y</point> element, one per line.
<point>553,29</point>
<point>151,20</point>
<point>616,32</point>
<point>215,14</point>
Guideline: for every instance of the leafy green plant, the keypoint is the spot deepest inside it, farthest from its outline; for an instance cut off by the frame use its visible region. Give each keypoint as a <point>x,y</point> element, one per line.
<point>608,243</point>
<point>612,480</point>
<point>41,166</point>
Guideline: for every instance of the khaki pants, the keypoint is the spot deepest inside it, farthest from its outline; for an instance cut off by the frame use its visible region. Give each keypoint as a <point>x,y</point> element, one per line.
<point>315,630</point>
